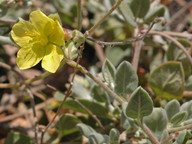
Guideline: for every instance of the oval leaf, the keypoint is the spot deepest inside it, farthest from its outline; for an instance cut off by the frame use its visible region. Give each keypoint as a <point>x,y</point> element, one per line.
<point>99,94</point>
<point>18,138</point>
<point>85,129</point>
<point>188,84</point>
<point>114,136</point>
<point>97,138</point>
<point>183,137</point>
<point>127,14</point>
<point>95,107</point>
<point>172,108</point>
<point>108,71</point>
<point>174,53</point>
<point>139,105</point>
<point>126,80</point>
<point>154,12</point>
<point>157,122</point>
<point>178,118</point>
<point>140,7</point>
<point>66,124</point>
<point>187,106</point>
<point>167,80</point>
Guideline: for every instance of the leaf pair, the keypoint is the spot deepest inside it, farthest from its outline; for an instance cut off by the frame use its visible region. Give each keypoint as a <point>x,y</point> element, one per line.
<point>123,81</point>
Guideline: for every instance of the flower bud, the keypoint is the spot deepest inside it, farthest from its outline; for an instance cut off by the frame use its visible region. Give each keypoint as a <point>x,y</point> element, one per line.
<point>78,37</point>
<point>70,50</point>
<point>68,34</point>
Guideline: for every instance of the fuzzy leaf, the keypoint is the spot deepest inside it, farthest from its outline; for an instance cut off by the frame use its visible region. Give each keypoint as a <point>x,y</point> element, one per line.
<point>18,138</point>
<point>108,71</point>
<point>154,12</point>
<point>167,80</point>
<point>157,122</point>
<point>99,94</point>
<point>183,137</point>
<point>85,129</point>
<point>172,108</point>
<point>127,14</point>
<point>126,79</point>
<point>66,124</point>
<point>174,53</point>
<point>140,7</point>
<point>95,107</point>
<point>187,106</point>
<point>139,105</point>
<point>178,118</point>
<point>114,136</point>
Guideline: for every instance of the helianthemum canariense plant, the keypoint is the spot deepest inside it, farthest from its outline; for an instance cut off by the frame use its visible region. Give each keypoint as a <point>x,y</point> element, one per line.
<point>39,39</point>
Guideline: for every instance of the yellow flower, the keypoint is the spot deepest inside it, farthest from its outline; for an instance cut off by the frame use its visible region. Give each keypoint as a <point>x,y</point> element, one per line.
<point>40,39</point>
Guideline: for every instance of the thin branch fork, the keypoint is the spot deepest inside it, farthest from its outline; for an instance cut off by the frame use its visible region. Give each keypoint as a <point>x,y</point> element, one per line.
<point>68,93</point>
<point>31,99</point>
<point>102,43</point>
<point>89,112</point>
<point>174,41</point>
<point>102,19</point>
<point>98,81</point>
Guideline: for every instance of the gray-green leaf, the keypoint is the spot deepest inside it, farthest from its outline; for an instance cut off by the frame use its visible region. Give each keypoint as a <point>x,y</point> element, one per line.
<point>126,80</point>
<point>114,136</point>
<point>66,124</point>
<point>127,14</point>
<point>157,122</point>
<point>108,71</point>
<point>18,138</point>
<point>99,94</point>
<point>140,7</point>
<point>167,80</point>
<point>154,12</point>
<point>172,108</point>
<point>85,129</point>
<point>178,118</point>
<point>139,105</point>
<point>174,53</point>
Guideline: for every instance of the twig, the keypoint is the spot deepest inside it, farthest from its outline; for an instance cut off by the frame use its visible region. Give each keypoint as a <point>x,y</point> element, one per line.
<point>79,15</point>
<point>31,99</point>
<point>102,19</point>
<point>14,116</point>
<point>150,135</point>
<point>171,136</point>
<point>7,21</point>
<point>5,40</point>
<point>171,130</point>
<point>187,94</point>
<point>178,34</point>
<point>180,12</point>
<point>98,81</point>
<point>26,82</point>
<point>8,67</point>
<point>137,51</point>
<point>100,53</point>
<point>128,41</point>
<point>89,112</point>
<point>174,41</point>
<point>66,95</point>
<point>34,114</point>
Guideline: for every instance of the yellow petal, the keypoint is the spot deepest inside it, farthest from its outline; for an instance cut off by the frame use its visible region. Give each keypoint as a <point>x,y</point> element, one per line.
<point>40,20</point>
<point>52,58</point>
<point>28,57</point>
<point>24,33</point>
<point>57,35</point>
<point>55,17</point>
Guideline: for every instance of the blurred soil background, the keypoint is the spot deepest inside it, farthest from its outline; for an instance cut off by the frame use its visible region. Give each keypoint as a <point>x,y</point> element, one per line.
<point>15,109</point>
